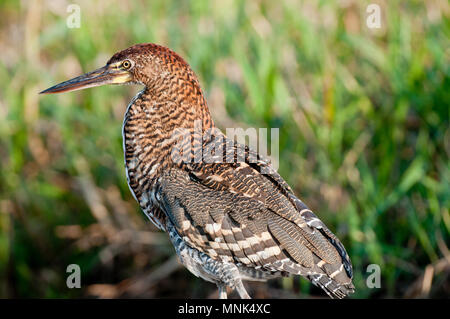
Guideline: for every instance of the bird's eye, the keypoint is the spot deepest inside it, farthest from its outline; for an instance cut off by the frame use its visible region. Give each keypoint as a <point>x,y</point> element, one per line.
<point>126,64</point>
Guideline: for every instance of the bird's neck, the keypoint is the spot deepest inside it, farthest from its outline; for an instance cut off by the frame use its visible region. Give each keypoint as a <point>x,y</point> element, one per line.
<point>152,125</point>
<point>177,103</point>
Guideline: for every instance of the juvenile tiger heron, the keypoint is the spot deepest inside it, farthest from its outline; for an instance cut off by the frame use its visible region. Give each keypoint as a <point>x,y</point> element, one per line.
<point>229,220</point>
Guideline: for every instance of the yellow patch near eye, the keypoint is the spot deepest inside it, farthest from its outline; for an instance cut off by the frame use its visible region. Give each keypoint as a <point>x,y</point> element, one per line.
<point>121,78</point>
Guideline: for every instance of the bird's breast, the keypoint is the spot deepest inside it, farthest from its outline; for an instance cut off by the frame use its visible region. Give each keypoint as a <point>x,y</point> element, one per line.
<point>144,154</point>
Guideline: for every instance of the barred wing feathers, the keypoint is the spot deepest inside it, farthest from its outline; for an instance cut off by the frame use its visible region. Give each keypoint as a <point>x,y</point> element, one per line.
<point>234,213</point>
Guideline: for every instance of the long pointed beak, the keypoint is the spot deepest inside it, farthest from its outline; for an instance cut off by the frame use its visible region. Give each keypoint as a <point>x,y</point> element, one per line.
<point>105,75</point>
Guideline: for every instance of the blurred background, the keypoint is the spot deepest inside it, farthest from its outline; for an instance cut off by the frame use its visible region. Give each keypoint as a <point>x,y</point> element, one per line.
<point>364,137</point>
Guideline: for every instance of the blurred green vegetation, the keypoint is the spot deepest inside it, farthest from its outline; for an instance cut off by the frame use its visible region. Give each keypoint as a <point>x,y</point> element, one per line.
<point>364,137</point>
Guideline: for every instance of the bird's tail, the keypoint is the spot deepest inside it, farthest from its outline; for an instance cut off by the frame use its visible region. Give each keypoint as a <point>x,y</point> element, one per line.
<point>332,287</point>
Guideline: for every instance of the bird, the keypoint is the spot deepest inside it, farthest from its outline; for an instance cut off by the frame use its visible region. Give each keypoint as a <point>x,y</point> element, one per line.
<point>230,216</point>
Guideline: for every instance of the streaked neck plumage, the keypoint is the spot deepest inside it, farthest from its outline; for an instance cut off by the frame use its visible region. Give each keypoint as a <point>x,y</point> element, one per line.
<point>168,104</point>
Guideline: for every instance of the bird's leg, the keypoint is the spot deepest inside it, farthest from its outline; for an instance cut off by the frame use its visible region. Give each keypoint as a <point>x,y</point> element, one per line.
<point>241,290</point>
<point>222,291</point>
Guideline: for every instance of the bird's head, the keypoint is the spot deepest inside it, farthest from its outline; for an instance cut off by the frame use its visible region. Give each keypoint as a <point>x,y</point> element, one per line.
<point>147,64</point>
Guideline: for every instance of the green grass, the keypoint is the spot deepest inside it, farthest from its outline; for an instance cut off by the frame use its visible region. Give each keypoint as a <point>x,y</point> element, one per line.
<point>364,135</point>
